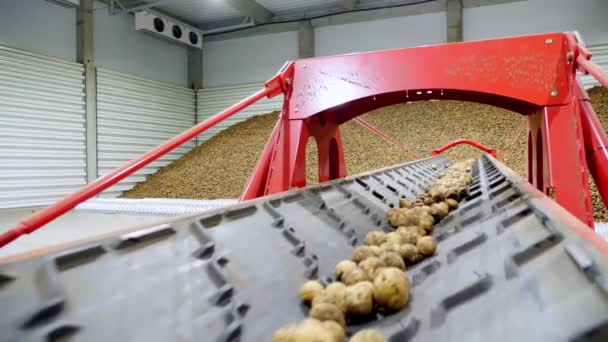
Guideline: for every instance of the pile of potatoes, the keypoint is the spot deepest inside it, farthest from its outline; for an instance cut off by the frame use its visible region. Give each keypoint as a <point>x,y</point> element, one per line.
<point>374,280</point>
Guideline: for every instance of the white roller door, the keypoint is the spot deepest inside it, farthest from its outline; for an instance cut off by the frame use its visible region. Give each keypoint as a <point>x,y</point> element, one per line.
<point>134,115</point>
<point>42,128</point>
<point>599,57</point>
<point>213,100</point>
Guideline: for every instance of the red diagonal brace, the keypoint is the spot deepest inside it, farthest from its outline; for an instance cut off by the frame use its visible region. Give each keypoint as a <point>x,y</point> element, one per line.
<point>386,137</point>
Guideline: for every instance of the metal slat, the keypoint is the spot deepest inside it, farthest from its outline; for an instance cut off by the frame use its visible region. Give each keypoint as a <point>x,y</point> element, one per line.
<point>42,134</point>
<point>134,115</point>
<point>213,100</point>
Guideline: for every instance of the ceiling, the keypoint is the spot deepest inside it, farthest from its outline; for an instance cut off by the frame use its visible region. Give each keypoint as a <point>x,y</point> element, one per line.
<point>214,14</point>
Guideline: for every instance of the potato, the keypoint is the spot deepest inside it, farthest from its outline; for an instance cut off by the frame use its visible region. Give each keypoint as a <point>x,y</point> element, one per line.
<point>428,201</point>
<point>312,330</point>
<point>360,299</point>
<point>389,246</point>
<point>404,217</point>
<point>376,250</point>
<point>463,192</point>
<point>404,203</point>
<point>410,236</point>
<point>394,237</point>
<point>375,238</point>
<point>336,330</point>
<point>439,211</point>
<point>310,290</point>
<point>390,213</point>
<point>415,229</point>
<point>426,223</point>
<point>343,267</point>
<point>392,259</point>
<point>367,335</point>
<point>334,293</point>
<point>361,253</point>
<point>370,265</point>
<point>354,276</point>
<point>327,312</point>
<point>391,288</point>
<point>285,333</point>
<point>438,194</point>
<point>409,253</point>
<point>427,245</point>
<point>452,203</point>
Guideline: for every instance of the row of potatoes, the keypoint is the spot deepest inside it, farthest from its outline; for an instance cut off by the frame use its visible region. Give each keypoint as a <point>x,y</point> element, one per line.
<point>374,280</point>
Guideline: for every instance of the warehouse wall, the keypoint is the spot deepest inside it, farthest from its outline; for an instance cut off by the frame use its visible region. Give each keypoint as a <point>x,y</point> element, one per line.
<point>248,59</point>
<point>38,26</point>
<point>423,29</point>
<point>533,16</point>
<point>119,47</point>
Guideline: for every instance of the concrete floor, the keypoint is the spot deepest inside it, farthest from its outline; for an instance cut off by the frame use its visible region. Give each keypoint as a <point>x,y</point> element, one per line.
<point>69,227</point>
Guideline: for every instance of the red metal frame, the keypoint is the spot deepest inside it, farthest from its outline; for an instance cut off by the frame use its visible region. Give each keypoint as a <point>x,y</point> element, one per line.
<point>532,75</point>
<point>486,149</point>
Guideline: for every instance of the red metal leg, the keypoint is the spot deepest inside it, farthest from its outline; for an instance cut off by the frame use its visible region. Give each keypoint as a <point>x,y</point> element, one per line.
<point>596,143</point>
<point>567,164</point>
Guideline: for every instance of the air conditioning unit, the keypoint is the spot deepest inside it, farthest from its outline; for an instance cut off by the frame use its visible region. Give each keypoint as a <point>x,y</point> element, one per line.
<point>168,28</point>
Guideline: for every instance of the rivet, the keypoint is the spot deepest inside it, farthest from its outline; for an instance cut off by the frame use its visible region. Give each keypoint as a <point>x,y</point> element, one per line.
<point>554,92</point>
<point>548,41</point>
<point>297,109</point>
<point>570,56</point>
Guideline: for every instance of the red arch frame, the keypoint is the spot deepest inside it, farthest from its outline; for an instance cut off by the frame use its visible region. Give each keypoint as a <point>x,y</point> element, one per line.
<point>532,75</point>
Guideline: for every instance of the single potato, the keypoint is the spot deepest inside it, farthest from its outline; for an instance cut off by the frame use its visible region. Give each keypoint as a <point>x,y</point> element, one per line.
<point>310,290</point>
<point>391,288</point>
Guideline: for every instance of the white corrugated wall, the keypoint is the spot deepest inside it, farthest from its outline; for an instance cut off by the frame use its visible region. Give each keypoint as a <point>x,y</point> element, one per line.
<point>210,101</point>
<point>42,128</point>
<point>134,115</point>
<point>599,57</point>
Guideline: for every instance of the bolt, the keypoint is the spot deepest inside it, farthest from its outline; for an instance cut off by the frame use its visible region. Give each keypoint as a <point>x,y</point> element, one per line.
<point>288,81</point>
<point>570,56</point>
<point>548,41</point>
<point>554,92</point>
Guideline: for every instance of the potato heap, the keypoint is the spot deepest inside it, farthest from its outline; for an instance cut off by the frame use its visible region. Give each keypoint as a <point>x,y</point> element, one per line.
<point>375,278</point>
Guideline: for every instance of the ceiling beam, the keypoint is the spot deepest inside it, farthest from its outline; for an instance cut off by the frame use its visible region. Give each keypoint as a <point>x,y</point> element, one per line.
<point>250,8</point>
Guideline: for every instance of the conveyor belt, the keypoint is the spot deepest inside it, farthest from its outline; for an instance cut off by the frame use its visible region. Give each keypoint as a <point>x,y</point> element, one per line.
<point>511,266</point>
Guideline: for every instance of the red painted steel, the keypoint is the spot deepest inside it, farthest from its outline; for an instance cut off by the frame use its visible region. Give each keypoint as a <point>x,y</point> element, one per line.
<point>51,212</point>
<point>382,135</point>
<point>596,143</point>
<point>533,75</point>
<point>491,151</point>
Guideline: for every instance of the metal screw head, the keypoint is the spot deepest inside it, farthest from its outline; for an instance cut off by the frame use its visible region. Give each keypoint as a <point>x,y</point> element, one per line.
<point>570,56</point>
<point>554,92</point>
<point>548,41</point>
<point>288,81</point>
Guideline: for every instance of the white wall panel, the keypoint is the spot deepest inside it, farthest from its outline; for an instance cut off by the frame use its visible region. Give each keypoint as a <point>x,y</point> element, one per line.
<point>42,131</point>
<point>536,16</point>
<point>248,59</point>
<point>408,31</point>
<point>213,100</point>
<point>134,115</point>
<point>119,47</point>
<point>38,26</point>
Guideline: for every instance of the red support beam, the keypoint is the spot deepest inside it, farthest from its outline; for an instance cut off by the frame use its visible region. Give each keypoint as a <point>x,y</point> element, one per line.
<point>473,143</point>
